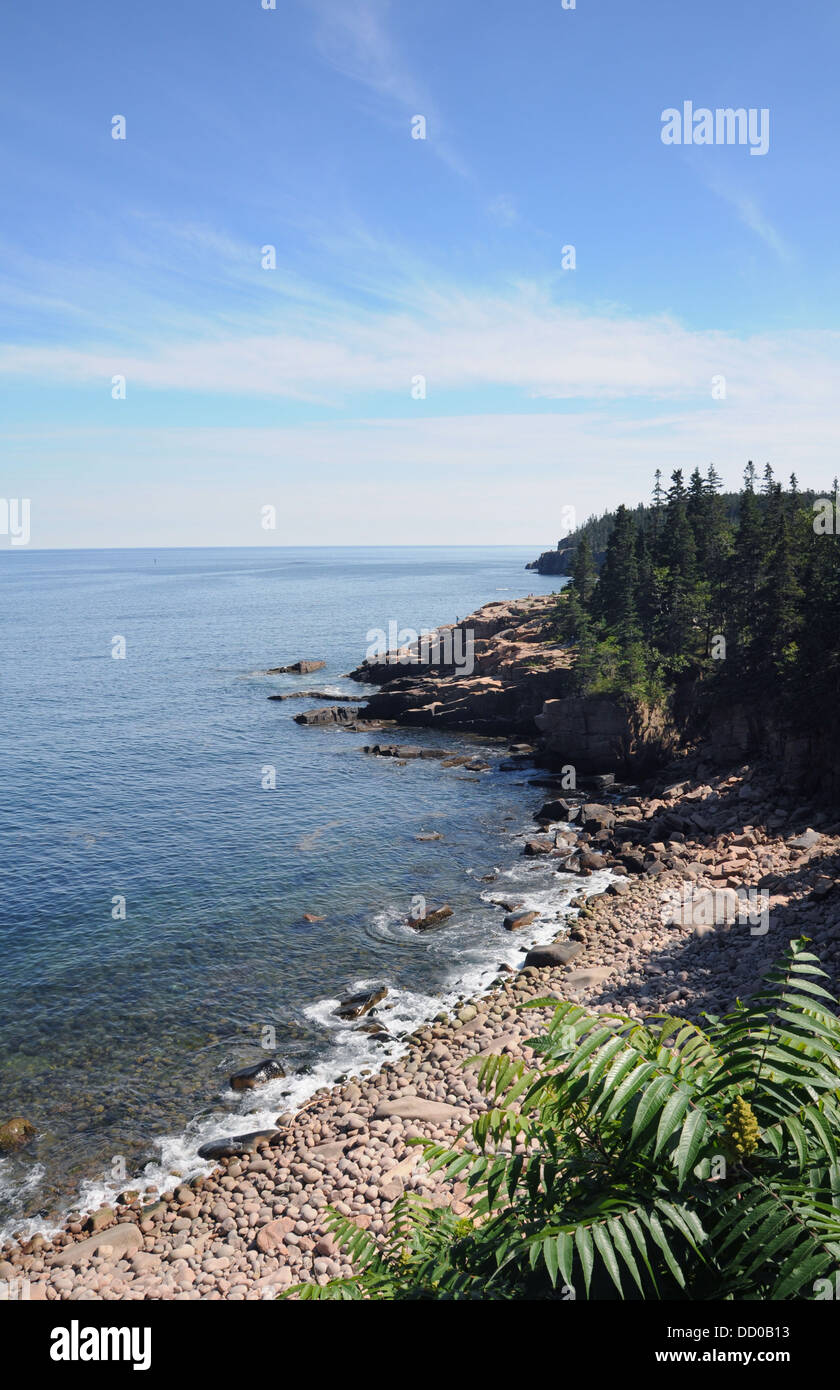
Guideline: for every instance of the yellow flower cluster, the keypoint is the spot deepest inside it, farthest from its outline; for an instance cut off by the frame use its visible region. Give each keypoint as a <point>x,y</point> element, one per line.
<point>741,1129</point>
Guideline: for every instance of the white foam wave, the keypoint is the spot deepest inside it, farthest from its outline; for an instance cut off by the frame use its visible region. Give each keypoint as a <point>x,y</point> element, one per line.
<point>469,962</point>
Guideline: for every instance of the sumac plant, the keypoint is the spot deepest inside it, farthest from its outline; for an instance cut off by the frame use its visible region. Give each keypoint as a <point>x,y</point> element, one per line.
<point>655,1160</point>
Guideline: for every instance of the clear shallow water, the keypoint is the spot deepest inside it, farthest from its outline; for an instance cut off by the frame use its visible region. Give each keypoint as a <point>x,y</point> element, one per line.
<point>142,778</point>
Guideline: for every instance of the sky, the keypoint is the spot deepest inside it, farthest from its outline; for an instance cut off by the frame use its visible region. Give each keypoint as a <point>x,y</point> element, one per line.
<point>476,337</point>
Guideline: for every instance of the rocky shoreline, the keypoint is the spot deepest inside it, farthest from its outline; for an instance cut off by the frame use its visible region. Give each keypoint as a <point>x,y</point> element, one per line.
<point>712,871</point>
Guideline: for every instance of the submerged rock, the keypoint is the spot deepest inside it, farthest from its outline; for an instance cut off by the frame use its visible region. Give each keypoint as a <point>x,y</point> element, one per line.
<point>257,1074</point>
<point>357,1004</point>
<point>15,1133</point>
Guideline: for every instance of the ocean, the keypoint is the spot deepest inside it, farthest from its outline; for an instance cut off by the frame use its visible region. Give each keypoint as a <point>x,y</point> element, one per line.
<point>153,888</point>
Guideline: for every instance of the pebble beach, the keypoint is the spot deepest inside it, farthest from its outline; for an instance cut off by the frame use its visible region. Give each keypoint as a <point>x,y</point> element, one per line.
<point>257,1224</point>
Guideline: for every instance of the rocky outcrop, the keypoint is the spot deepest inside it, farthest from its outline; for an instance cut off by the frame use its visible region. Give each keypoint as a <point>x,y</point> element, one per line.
<point>490,673</point>
<point>593,734</point>
<point>808,760</point>
<point>560,561</point>
<point>318,695</point>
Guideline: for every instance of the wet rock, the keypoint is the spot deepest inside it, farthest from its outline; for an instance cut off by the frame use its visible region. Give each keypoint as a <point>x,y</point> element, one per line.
<point>515,920</point>
<point>319,695</point>
<point>355,1005</point>
<point>535,847</point>
<point>431,919</point>
<point>257,1074</point>
<point>153,1211</point>
<point>15,1133</point>
<point>332,714</point>
<point>228,1147</point>
<point>428,835</point>
<point>374,1028</point>
<point>559,809</point>
<point>297,668</point>
<point>99,1219</point>
<point>311,917</point>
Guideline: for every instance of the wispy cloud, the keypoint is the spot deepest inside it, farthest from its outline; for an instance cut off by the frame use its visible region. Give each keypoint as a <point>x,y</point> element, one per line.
<point>353,36</point>
<point>330,350</point>
<point>751,215</point>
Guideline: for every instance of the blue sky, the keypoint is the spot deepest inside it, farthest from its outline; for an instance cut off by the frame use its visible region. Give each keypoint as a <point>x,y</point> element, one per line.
<point>396,258</point>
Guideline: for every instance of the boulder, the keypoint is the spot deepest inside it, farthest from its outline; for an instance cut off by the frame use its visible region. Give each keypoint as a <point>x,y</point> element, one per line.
<point>560,809</point>
<point>355,1005</point>
<point>806,840</point>
<point>273,1233</point>
<point>416,1108</point>
<point>122,1240</point>
<point>101,1217</point>
<point>555,953</point>
<point>586,979</point>
<point>594,816</point>
<point>535,847</point>
<point>257,1074</point>
<point>515,920</point>
<point>232,1145</point>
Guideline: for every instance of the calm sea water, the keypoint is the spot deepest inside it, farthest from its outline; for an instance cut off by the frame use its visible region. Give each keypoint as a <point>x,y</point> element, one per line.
<point>140,778</point>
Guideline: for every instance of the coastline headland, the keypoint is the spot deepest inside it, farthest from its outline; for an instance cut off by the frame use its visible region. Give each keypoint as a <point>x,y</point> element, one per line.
<point>693,876</point>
